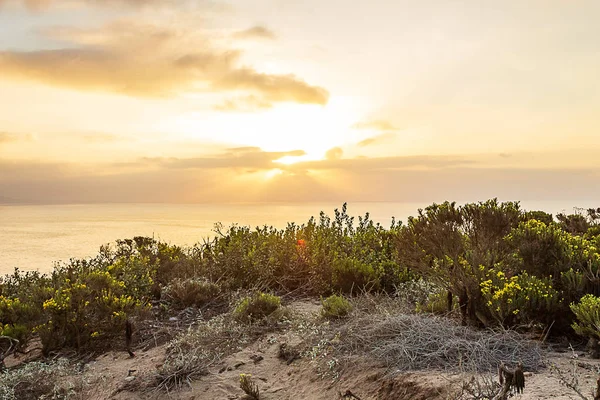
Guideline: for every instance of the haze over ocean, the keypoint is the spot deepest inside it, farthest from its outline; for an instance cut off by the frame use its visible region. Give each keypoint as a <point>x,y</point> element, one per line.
<point>33,237</point>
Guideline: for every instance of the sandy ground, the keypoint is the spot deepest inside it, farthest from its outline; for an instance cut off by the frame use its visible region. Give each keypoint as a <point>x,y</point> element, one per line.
<point>279,381</point>
<point>108,375</point>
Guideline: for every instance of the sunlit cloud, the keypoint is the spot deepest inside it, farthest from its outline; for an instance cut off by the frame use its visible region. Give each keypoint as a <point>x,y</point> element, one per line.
<point>380,125</point>
<point>249,175</point>
<point>334,154</point>
<point>151,61</point>
<point>7,137</point>
<point>37,5</point>
<point>243,104</point>
<point>375,140</point>
<point>256,32</point>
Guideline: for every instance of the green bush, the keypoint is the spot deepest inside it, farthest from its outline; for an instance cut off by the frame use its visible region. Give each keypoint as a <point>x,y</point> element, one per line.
<point>351,275</point>
<point>190,292</point>
<point>256,307</point>
<point>436,303</point>
<point>587,312</point>
<point>335,307</point>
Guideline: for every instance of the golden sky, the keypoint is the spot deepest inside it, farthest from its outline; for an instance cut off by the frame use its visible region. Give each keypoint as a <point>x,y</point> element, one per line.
<point>285,100</point>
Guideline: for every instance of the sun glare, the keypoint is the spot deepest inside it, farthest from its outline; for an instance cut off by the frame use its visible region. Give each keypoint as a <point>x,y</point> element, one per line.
<point>272,173</point>
<point>312,128</point>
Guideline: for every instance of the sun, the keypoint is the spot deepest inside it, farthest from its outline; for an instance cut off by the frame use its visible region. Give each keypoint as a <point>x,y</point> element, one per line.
<point>312,128</point>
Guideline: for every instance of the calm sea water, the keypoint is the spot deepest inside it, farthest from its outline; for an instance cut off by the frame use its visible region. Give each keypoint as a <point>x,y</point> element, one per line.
<point>34,237</point>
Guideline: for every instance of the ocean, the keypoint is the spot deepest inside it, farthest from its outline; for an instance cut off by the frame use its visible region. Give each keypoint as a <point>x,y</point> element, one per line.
<point>34,237</point>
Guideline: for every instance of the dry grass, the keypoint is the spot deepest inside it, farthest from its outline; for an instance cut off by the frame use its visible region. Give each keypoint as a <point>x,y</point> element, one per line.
<point>416,342</point>
<point>192,353</point>
<point>35,380</point>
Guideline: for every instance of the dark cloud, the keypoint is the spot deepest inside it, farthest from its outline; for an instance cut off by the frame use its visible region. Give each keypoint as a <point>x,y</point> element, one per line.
<point>256,32</point>
<point>151,61</point>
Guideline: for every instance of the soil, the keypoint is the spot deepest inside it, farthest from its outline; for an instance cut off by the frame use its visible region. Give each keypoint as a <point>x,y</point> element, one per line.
<point>115,375</point>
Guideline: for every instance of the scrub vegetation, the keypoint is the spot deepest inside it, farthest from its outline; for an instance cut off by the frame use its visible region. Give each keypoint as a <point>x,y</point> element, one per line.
<point>487,265</point>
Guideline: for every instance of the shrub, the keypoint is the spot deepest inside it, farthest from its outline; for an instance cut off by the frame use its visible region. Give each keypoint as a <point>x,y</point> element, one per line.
<point>520,299</point>
<point>335,307</point>
<point>191,292</point>
<point>436,303</point>
<point>547,250</point>
<point>249,387</point>
<point>256,307</point>
<point>92,305</point>
<point>587,312</point>
<point>351,275</point>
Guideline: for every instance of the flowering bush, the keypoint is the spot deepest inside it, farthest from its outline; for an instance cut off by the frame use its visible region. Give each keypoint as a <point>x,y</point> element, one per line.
<point>520,299</point>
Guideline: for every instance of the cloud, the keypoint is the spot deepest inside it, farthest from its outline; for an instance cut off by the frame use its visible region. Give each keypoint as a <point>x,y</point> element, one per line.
<point>387,163</point>
<point>275,88</point>
<point>256,32</point>
<point>239,175</point>
<point>236,158</point>
<point>98,137</point>
<point>150,61</point>
<point>380,125</point>
<point>334,154</point>
<point>6,137</point>
<point>375,140</point>
<point>37,5</point>
<point>243,104</point>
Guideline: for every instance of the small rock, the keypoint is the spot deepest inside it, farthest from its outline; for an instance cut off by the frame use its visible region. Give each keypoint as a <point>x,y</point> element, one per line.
<point>239,364</point>
<point>130,378</point>
<point>256,358</point>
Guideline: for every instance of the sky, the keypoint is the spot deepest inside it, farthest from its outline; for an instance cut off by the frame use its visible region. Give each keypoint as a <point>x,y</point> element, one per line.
<point>193,101</point>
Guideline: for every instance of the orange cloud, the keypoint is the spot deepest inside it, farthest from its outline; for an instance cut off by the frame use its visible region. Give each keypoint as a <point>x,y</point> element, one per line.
<point>150,61</point>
